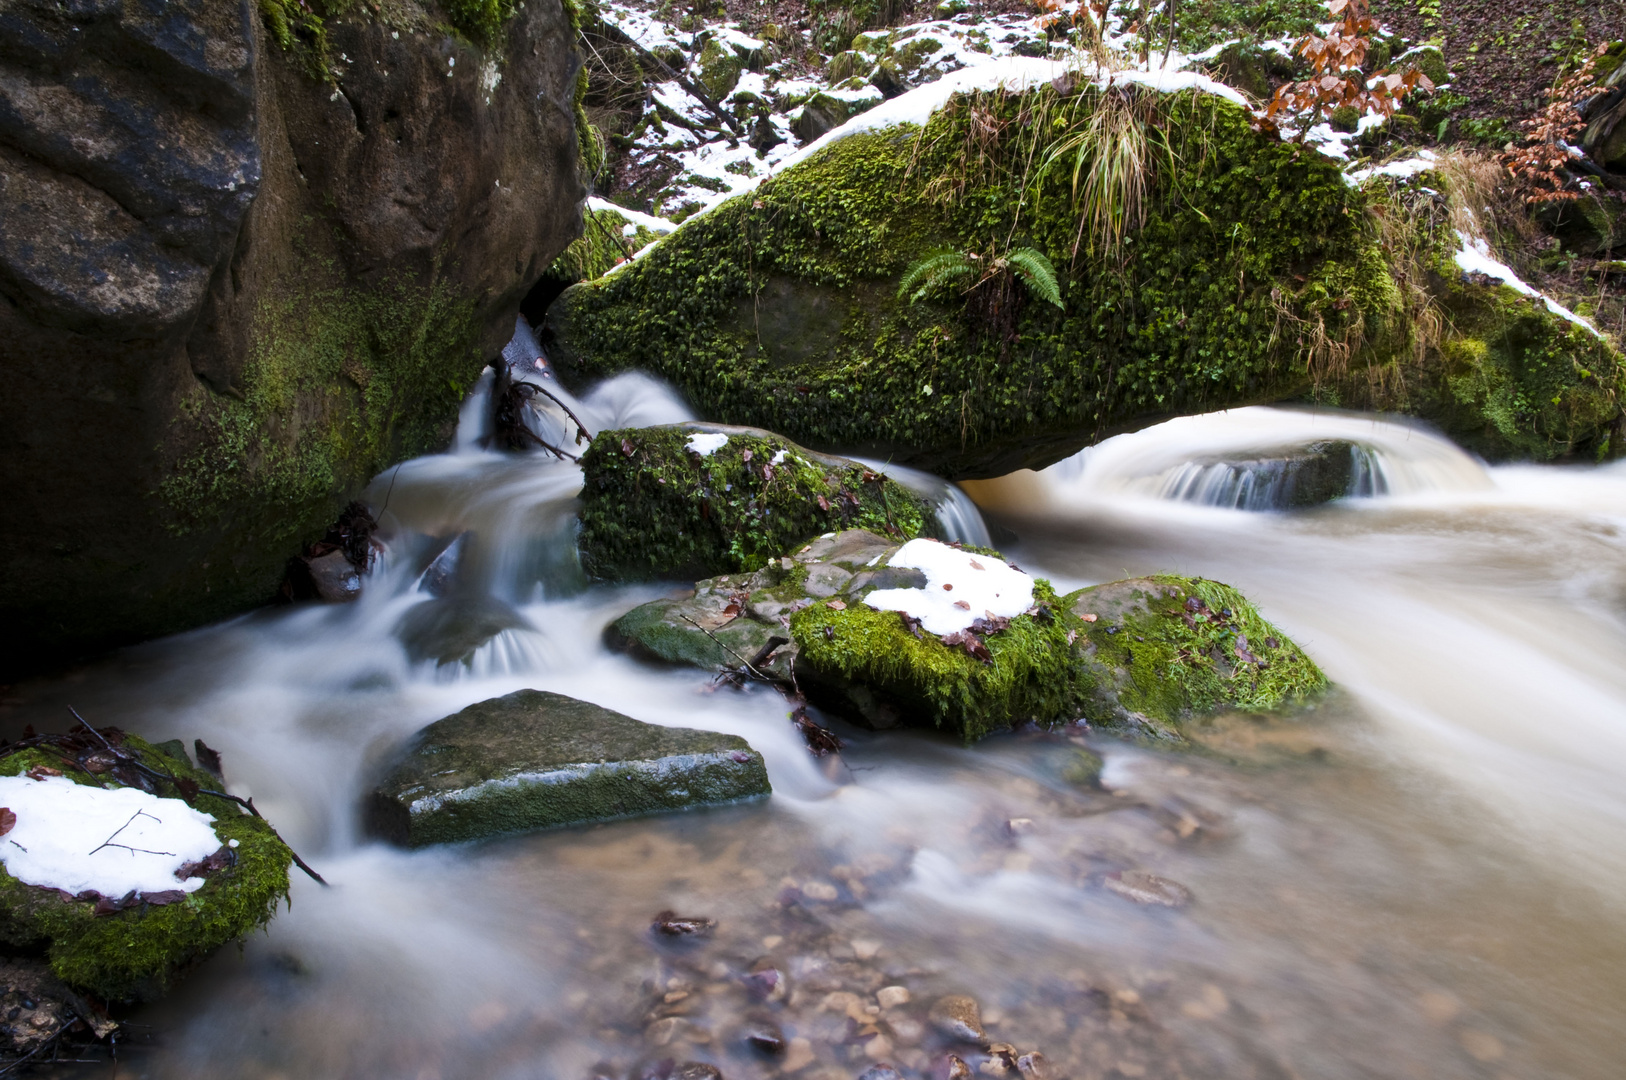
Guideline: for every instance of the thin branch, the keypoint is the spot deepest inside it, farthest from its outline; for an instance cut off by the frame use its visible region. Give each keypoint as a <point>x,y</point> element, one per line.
<point>747,664</point>
<point>132,850</point>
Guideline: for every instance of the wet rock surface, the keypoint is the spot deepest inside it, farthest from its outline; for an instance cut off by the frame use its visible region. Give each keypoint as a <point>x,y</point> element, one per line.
<point>205,241</point>
<point>1143,656</point>
<point>698,498</point>
<point>535,760</point>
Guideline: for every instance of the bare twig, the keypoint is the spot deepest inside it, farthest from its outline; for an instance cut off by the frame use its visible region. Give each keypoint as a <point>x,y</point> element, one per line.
<point>747,664</point>
<point>132,850</point>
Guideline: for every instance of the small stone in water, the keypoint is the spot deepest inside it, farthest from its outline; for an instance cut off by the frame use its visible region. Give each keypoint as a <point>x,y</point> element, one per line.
<point>958,1017</point>
<point>866,950</point>
<point>953,1067</point>
<point>881,1072</point>
<point>819,890</point>
<point>765,1036</point>
<point>673,925</point>
<point>1144,888</point>
<point>1016,826</point>
<point>799,1055</point>
<point>890,997</point>
<point>766,983</point>
<point>697,1070</point>
<point>1033,1066</point>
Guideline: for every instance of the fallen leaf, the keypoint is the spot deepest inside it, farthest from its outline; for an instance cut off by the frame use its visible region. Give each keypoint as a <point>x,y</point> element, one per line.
<point>8,820</point>
<point>188,788</point>
<point>836,605</point>
<point>1089,618</point>
<point>948,588</point>
<point>674,925</point>
<point>159,899</point>
<point>207,757</point>
<point>975,565</point>
<point>824,504</point>
<point>40,772</point>
<point>962,605</point>
<point>745,455</point>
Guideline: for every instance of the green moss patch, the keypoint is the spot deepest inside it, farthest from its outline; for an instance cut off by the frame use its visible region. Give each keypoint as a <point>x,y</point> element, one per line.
<point>138,952</point>
<point>872,660</point>
<point>651,507</point>
<point>1164,649</point>
<point>1258,275</point>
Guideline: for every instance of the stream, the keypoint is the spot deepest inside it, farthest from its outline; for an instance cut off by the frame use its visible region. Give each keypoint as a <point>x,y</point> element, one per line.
<point>1421,877</point>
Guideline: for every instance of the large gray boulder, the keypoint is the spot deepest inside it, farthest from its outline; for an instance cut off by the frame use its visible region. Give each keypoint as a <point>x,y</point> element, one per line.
<point>535,760</point>
<point>237,280</point>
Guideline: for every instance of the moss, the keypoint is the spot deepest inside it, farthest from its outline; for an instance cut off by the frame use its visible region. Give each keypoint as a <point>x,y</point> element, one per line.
<point>300,26</point>
<point>1504,376</point>
<point>1033,676</point>
<point>536,760</point>
<point>1171,648</point>
<point>653,508</point>
<point>778,309</point>
<point>138,952</point>
<point>602,244</point>
<point>341,381</point>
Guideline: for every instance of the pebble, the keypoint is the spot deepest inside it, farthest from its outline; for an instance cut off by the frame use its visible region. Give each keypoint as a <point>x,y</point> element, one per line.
<point>819,890</point>
<point>1144,888</point>
<point>890,997</point>
<point>798,1055</point>
<point>672,924</point>
<point>880,1072</point>
<point>958,1016</point>
<point>766,983</point>
<point>697,1070</point>
<point>1033,1066</point>
<point>952,1067</point>
<point>765,1036</point>
<point>865,949</point>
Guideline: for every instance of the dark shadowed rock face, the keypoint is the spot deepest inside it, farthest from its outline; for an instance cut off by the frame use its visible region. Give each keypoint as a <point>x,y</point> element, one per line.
<point>230,292</point>
<point>535,760</point>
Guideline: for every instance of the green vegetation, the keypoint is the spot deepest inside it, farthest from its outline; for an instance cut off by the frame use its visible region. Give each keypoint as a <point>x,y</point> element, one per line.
<point>1257,274</point>
<point>300,26</point>
<point>935,273</point>
<point>138,952</point>
<point>341,381</point>
<point>603,243</point>
<point>1170,648</point>
<point>1200,24</point>
<point>1033,675</point>
<point>652,508</point>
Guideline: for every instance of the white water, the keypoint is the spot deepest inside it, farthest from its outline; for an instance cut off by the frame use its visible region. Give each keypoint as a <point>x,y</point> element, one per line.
<point>1421,879</point>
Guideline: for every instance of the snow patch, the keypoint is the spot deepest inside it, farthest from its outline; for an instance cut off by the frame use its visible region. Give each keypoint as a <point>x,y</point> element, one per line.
<point>66,833</point>
<point>706,443</point>
<point>1475,258</point>
<point>634,217</point>
<point>983,584</point>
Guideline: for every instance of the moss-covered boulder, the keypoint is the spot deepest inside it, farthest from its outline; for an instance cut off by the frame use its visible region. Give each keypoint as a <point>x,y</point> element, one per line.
<point>686,500</point>
<point>535,760</point>
<point>1259,274</point>
<point>1142,657</point>
<point>1160,651</point>
<point>610,235</point>
<point>120,948</point>
<point>734,619</point>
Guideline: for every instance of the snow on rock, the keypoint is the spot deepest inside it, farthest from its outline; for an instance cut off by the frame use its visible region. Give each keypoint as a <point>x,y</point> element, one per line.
<point>1403,170</point>
<point>960,587</point>
<point>1475,258</point>
<point>706,443</point>
<point>114,841</point>
<point>634,217</point>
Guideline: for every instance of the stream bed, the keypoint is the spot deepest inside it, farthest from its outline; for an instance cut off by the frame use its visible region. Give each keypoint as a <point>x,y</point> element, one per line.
<point>1421,877</point>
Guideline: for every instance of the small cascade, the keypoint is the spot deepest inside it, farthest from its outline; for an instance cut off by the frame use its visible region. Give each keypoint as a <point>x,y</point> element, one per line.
<point>958,519</point>
<point>1269,459</point>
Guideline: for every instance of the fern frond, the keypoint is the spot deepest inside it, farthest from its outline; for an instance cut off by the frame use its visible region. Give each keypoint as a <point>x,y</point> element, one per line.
<point>933,272</point>
<point>1037,272</point>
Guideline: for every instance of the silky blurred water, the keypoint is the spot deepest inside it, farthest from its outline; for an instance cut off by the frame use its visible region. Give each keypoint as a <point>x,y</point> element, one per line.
<point>1422,877</point>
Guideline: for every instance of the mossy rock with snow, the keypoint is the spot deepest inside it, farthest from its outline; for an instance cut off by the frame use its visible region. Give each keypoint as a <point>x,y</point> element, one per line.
<point>1161,651</point>
<point>537,760</point>
<point>696,499</point>
<point>137,952</point>
<point>1257,261</point>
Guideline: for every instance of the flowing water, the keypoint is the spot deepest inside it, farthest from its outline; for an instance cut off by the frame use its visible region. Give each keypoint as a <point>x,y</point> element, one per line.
<point>1423,877</point>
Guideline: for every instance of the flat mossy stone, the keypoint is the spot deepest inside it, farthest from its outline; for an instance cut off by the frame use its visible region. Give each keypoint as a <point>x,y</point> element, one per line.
<point>730,619</point>
<point>1164,649</point>
<point>139,952</point>
<point>536,760</point>
<point>654,507</point>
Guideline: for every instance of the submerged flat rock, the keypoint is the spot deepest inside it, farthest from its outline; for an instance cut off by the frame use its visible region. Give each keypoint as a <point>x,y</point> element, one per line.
<point>536,760</point>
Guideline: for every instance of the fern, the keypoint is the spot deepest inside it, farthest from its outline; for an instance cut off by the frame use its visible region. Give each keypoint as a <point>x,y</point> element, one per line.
<point>1037,273</point>
<point>930,274</point>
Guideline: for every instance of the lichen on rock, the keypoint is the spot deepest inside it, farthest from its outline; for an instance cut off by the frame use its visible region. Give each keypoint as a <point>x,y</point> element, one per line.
<point>137,951</point>
<point>652,506</point>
